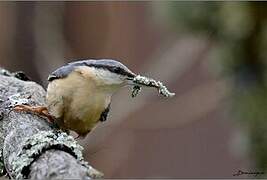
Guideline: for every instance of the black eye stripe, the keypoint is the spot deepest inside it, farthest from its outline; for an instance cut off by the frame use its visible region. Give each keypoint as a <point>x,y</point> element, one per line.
<point>118,70</point>
<point>114,69</point>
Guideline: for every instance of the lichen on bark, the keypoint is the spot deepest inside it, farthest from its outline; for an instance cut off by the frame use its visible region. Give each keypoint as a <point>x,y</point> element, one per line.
<point>31,147</point>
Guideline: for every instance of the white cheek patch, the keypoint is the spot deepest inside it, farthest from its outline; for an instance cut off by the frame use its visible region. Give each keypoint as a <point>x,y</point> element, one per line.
<point>106,76</point>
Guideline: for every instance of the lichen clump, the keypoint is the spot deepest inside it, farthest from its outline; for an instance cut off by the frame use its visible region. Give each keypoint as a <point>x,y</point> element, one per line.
<point>35,145</point>
<point>16,99</point>
<point>149,82</point>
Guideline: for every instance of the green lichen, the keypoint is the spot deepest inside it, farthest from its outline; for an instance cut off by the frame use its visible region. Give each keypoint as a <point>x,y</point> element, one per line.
<point>35,145</point>
<point>135,91</point>
<point>16,99</point>
<point>149,82</point>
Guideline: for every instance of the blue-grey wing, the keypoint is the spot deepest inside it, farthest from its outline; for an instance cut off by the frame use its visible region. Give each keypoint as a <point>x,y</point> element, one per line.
<point>61,72</point>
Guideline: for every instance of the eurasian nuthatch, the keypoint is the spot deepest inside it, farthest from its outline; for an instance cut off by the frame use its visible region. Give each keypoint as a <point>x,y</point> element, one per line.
<point>79,93</point>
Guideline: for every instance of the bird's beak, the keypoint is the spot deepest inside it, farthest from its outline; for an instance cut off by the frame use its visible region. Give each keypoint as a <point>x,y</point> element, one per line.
<point>130,79</point>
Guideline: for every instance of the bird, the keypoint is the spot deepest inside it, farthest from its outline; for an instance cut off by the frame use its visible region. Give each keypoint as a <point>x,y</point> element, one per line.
<point>79,93</point>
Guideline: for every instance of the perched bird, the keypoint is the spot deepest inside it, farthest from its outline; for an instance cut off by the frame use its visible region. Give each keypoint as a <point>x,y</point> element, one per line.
<point>79,93</point>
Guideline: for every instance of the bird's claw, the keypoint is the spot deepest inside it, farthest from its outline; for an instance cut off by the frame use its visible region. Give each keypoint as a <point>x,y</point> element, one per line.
<point>39,110</point>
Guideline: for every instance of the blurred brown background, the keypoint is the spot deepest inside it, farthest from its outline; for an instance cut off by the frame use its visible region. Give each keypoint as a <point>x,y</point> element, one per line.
<point>194,134</point>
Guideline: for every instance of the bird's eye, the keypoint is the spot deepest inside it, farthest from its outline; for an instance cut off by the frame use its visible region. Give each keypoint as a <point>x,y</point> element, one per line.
<point>117,70</point>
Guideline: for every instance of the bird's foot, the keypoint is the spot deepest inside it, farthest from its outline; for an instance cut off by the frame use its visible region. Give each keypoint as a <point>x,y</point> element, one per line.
<point>39,110</point>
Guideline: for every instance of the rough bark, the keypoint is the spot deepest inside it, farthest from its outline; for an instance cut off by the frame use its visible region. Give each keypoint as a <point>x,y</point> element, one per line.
<point>31,147</point>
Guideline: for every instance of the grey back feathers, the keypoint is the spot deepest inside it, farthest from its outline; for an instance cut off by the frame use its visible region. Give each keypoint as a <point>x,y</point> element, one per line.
<point>107,64</point>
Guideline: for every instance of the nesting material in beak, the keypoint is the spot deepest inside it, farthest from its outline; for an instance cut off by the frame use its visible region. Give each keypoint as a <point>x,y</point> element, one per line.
<point>130,80</point>
<point>139,81</point>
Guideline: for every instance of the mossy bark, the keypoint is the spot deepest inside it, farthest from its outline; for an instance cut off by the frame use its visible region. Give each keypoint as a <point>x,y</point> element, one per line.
<point>18,128</point>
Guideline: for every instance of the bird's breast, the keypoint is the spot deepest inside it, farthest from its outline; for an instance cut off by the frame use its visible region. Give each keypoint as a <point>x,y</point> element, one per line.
<point>76,102</point>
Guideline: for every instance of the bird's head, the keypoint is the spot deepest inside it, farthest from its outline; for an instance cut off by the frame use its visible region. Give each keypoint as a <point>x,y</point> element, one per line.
<point>107,73</point>
<point>112,72</point>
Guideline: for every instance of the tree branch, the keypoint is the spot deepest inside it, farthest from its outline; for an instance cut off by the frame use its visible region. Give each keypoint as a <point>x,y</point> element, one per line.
<point>31,147</point>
